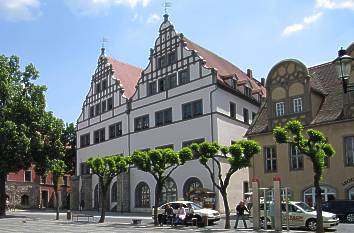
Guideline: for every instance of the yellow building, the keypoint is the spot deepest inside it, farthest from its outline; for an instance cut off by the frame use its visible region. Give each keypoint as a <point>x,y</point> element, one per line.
<point>314,96</point>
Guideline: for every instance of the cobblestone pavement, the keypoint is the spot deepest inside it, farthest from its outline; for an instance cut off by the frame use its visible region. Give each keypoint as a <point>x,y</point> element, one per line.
<point>34,221</point>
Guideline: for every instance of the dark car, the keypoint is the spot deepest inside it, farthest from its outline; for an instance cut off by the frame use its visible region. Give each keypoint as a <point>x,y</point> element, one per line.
<point>344,209</point>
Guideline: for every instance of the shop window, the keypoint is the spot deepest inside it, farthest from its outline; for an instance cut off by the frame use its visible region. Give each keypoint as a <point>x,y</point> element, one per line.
<point>327,193</point>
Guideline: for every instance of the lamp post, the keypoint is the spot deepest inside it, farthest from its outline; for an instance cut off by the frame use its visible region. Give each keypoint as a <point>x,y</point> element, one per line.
<point>343,65</point>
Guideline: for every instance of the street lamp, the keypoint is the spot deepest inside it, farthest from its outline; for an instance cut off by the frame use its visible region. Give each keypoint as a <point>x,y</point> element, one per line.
<point>343,65</point>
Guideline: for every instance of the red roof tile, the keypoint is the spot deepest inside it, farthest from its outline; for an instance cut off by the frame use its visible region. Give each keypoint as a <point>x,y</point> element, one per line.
<point>127,74</point>
<point>224,68</point>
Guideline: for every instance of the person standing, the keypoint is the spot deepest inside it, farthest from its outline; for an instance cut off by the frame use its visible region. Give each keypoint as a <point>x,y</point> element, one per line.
<point>82,205</point>
<point>181,215</point>
<point>240,213</point>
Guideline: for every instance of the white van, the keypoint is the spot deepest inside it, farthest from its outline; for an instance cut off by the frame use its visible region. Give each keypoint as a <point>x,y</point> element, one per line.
<point>300,215</point>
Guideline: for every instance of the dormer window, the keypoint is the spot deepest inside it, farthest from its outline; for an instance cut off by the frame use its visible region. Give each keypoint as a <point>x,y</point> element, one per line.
<point>247,91</point>
<point>234,83</point>
<point>297,103</point>
<point>279,109</point>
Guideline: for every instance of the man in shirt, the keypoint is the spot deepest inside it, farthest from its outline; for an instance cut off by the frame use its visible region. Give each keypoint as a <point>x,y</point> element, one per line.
<point>240,213</point>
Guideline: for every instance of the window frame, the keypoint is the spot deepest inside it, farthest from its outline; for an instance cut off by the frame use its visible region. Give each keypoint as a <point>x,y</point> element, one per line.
<point>25,176</point>
<point>85,140</point>
<point>194,112</point>
<point>280,111</point>
<point>298,105</point>
<point>298,156</point>
<point>232,107</point>
<point>110,103</point>
<point>164,117</point>
<point>183,80</point>
<point>152,91</point>
<point>271,159</point>
<point>345,150</point>
<point>246,113</point>
<point>99,135</point>
<point>141,120</point>
<point>117,130</point>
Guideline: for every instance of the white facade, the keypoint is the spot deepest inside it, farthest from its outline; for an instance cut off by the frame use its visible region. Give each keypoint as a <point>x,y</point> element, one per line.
<point>214,124</point>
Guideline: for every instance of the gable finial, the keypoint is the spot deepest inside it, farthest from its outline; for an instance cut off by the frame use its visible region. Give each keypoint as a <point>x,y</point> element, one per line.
<point>166,5</point>
<point>103,41</point>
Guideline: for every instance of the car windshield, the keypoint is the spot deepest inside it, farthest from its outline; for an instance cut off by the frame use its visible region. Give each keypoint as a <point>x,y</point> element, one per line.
<point>196,206</point>
<point>304,206</point>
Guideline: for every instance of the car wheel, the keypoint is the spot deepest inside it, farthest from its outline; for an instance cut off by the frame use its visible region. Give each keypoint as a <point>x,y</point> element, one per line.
<point>350,217</point>
<point>311,224</point>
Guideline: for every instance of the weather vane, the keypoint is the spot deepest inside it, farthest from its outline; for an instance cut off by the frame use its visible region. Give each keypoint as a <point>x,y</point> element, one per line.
<point>104,41</point>
<point>166,5</point>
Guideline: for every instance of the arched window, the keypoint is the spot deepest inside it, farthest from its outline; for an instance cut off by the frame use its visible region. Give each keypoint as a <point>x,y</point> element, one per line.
<point>142,195</point>
<point>327,193</point>
<point>96,197</point>
<point>114,196</point>
<point>24,200</point>
<point>191,184</point>
<point>351,193</point>
<point>169,191</point>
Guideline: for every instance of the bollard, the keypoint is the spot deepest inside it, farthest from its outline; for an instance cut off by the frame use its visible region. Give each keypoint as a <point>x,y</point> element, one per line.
<point>68,215</point>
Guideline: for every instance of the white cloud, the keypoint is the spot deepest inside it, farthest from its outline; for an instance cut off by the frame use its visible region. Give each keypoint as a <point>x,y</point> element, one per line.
<point>308,20</point>
<point>16,10</point>
<point>153,18</point>
<point>96,7</point>
<point>335,4</point>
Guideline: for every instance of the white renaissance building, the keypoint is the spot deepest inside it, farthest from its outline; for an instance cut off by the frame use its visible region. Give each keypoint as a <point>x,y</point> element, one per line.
<point>185,94</point>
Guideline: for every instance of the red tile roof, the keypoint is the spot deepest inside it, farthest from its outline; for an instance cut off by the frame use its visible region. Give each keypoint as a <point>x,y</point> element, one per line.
<point>127,74</point>
<point>224,68</point>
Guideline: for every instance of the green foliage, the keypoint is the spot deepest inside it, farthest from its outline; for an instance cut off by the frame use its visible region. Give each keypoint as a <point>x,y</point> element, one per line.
<point>57,167</point>
<point>315,146</point>
<point>108,166</point>
<point>160,163</point>
<point>280,135</point>
<point>295,127</point>
<point>315,136</point>
<point>238,156</point>
<point>68,139</point>
<point>328,150</point>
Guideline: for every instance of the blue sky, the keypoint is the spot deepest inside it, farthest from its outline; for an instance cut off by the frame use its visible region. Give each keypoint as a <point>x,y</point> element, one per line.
<point>62,37</point>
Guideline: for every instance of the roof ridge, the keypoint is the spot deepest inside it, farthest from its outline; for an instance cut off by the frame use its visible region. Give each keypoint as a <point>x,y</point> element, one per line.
<point>320,65</point>
<point>184,37</point>
<point>125,63</point>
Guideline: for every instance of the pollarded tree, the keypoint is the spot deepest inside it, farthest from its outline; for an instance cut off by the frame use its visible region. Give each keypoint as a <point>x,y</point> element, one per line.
<point>237,155</point>
<point>106,168</point>
<point>315,146</point>
<point>57,168</point>
<point>160,163</point>
<point>22,106</point>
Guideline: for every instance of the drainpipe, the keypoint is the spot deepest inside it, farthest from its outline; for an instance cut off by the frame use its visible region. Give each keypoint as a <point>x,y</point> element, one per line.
<point>211,119</point>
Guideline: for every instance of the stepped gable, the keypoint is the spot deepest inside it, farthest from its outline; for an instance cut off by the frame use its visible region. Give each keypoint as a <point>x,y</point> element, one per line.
<point>128,75</point>
<point>224,68</point>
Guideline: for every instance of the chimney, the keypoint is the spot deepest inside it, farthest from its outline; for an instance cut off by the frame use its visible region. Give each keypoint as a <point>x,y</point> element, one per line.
<point>263,81</point>
<point>249,73</point>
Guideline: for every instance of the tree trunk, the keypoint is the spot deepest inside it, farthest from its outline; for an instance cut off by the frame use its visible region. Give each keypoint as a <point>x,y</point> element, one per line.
<point>103,202</point>
<point>318,204</point>
<point>227,209</point>
<point>56,201</point>
<point>158,189</point>
<point>2,195</point>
